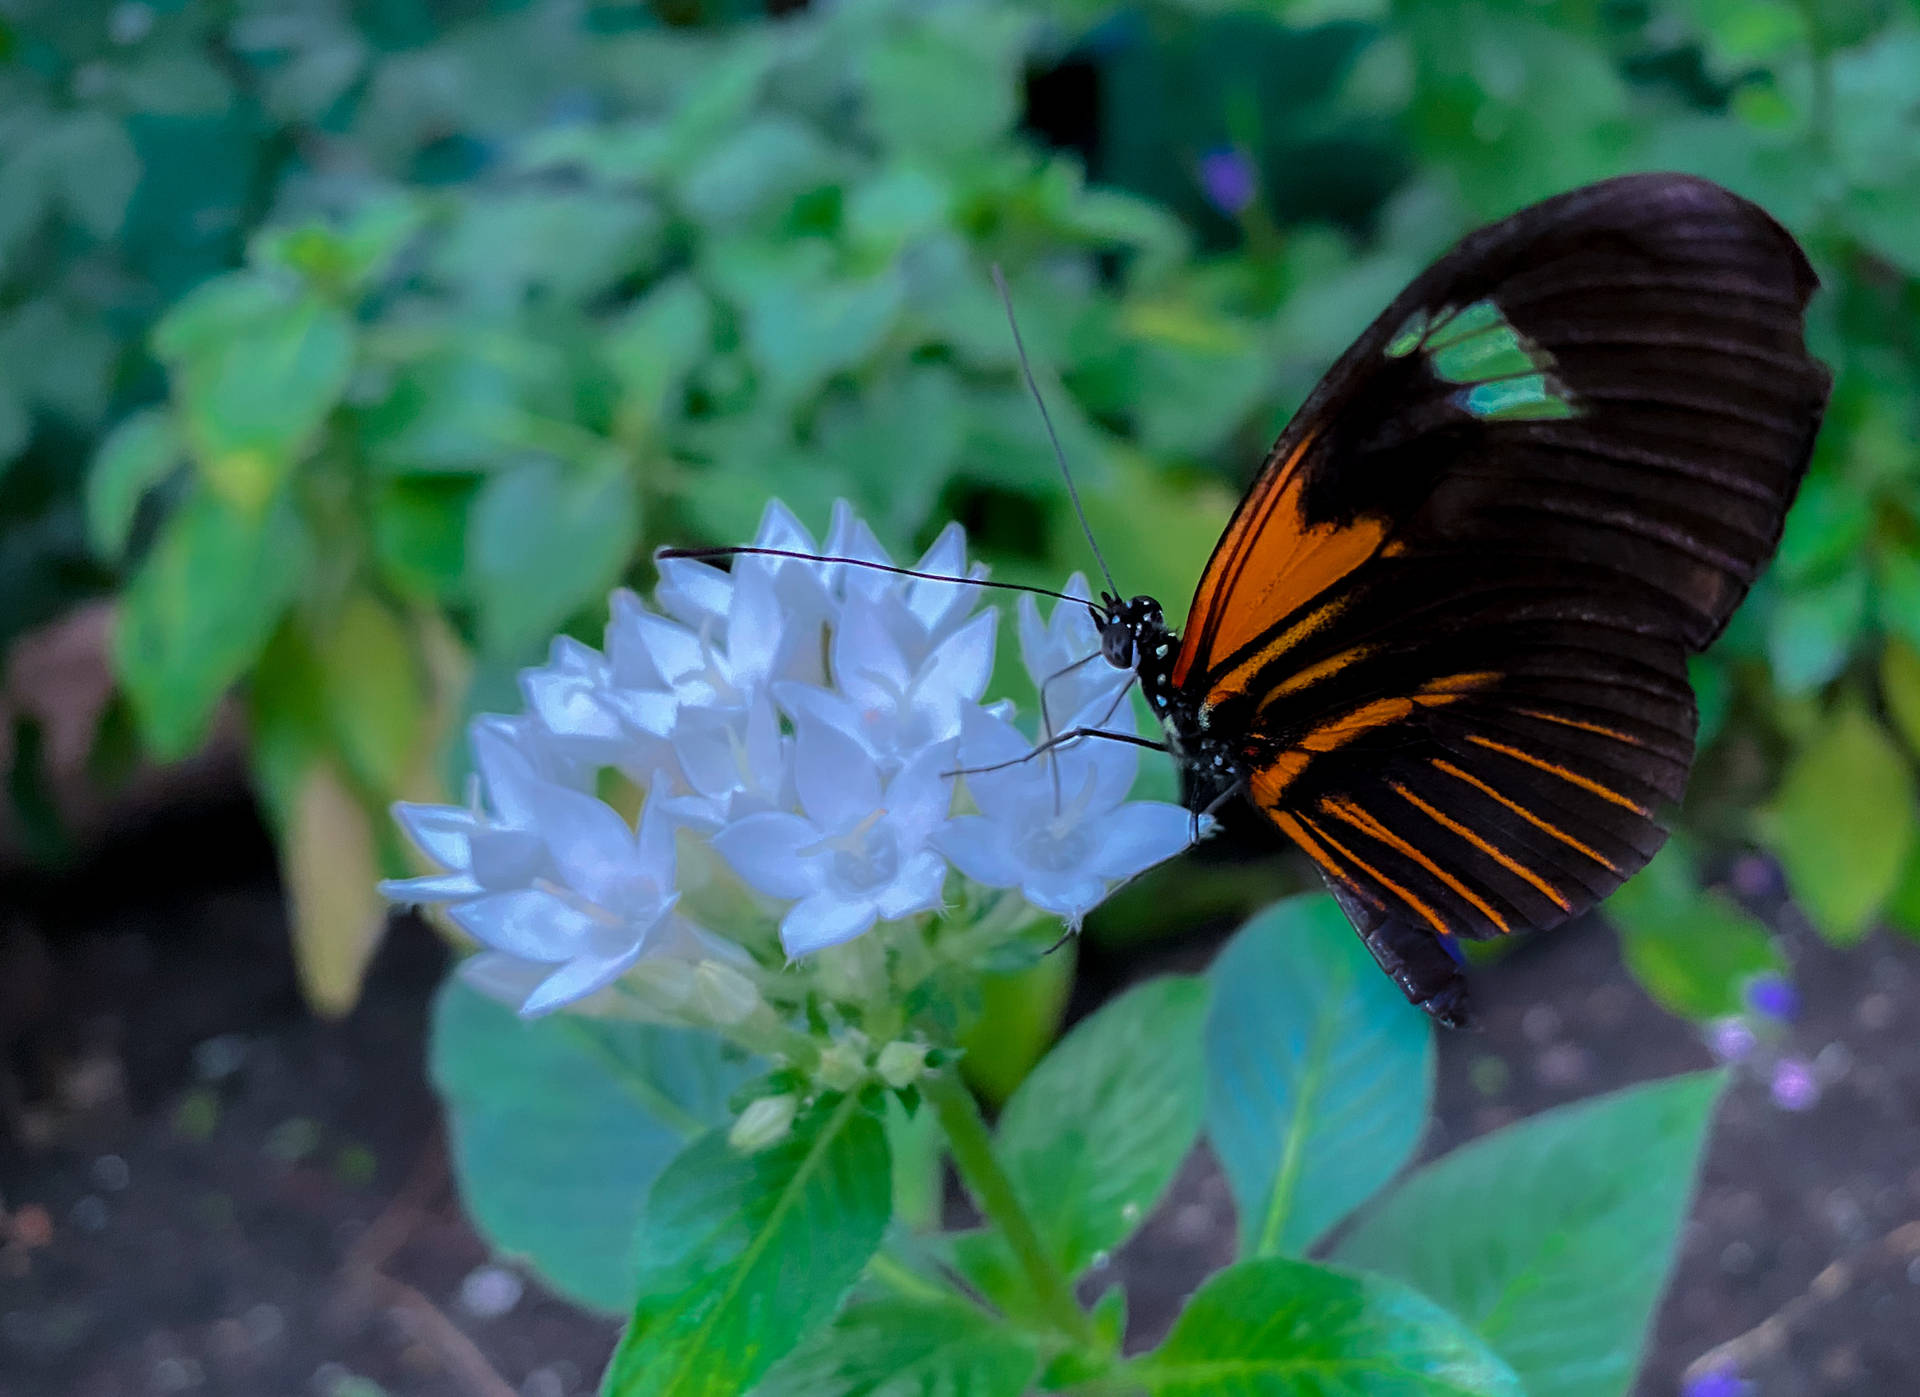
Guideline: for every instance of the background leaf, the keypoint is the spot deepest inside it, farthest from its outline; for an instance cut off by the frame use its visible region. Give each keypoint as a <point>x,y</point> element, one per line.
<point>1277,1328</point>
<point>742,1256</point>
<point>560,1125</point>
<point>201,607</point>
<point>331,866</point>
<point>1561,1276</point>
<point>1319,1074</point>
<point>1844,822</point>
<point>1691,948</point>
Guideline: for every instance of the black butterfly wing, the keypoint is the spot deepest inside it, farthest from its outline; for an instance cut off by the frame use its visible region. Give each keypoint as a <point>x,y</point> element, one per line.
<point>1448,626</point>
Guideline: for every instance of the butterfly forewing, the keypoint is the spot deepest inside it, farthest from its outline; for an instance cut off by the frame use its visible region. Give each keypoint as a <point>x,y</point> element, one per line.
<point>1449,623</point>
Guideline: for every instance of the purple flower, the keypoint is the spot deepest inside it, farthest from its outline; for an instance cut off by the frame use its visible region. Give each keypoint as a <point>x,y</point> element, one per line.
<point>1229,180</point>
<point>1774,997</point>
<point>1730,1040</point>
<point>1794,1085</point>
<point>1717,1381</point>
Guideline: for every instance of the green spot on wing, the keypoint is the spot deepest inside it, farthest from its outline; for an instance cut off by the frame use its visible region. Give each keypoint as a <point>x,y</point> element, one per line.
<point>1480,316</point>
<point>1531,398</point>
<point>1408,337</point>
<point>1501,352</point>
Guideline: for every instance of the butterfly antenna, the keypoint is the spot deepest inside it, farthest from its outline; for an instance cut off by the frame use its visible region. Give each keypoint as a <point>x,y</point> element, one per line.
<point>735,550</point>
<point>1073,491</point>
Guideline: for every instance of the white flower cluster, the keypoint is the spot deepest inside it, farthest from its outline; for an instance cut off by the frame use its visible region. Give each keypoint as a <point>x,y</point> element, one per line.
<point>807,719</point>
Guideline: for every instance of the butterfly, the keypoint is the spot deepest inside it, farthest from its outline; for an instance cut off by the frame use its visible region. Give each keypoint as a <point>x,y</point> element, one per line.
<point>1442,645</point>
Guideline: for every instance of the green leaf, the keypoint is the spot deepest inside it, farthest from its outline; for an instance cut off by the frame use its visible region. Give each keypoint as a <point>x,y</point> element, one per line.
<point>1900,687</point>
<point>560,1125</point>
<point>1691,948</point>
<point>1843,822</point>
<point>375,693</point>
<point>908,1348</point>
<point>1278,1328</point>
<point>1019,1017</point>
<point>743,1256</point>
<point>544,542</point>
<point>138,455</point>
<point>252,400</point>
<point>946,89</point>
<point>802,321</point>
<point>199,610</point>
<point>1319,1074</point>
<point>655,345</point>
<point>1094,1136</point>
<point>1812,630</point>
<point>331,866</point>
<point>1553,1238</point>
<point>420,534</point>
<point>91,167</point>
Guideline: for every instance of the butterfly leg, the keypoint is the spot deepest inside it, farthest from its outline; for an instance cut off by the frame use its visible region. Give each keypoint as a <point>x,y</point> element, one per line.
<point>1413,958</point>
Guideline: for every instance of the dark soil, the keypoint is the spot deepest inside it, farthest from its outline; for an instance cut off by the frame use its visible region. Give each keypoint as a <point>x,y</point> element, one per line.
<point>207,1191</point>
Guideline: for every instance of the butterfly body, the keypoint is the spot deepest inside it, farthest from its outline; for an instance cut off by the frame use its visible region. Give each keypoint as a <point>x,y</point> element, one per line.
<point>1442,644</point>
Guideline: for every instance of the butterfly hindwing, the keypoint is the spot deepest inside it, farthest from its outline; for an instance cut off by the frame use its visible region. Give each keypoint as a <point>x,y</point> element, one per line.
<point>1449,624</point>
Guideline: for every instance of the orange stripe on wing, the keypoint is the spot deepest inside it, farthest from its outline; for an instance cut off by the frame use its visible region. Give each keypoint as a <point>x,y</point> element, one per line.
<point>1614,733</point>
<point>1433,918</point>
<point>1584,782</point>
<point>1528,815</point>
<point>1367,824</point>
<point>1233,681</point>
<point>1505,860</point>
<point>1312,847</point>
<point>1313,674</point>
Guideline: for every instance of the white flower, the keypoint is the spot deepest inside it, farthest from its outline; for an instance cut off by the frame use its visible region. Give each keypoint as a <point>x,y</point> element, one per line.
<point>1063,856</point>
<point>859,854</point>
<point>586,893</point>
<point>480,852</point>
<point>893,706</point>
<point>737,762</point>
<point>1063,657</point>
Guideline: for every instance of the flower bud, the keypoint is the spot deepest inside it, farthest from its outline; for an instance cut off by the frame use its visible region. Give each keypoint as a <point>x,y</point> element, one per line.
<point>765,1122</point>
<point>900,1064</point>
<point>722,995</point>
<point>667,981</point>
<point>843,1066</point>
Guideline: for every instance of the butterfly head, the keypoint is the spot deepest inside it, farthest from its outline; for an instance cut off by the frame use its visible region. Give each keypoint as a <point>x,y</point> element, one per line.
<point>1130,631</point>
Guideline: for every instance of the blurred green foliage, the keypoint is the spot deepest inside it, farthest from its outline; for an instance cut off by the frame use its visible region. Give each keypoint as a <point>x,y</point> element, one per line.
<point>364,347</point>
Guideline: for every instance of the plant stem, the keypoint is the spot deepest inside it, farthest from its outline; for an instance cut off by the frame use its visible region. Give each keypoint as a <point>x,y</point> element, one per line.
<point>973,1155</point>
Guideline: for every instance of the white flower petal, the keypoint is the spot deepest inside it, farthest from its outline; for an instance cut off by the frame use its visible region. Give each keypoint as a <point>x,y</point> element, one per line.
<point>1139,835</point>
<point>1065,895</point>
<point>441,832</point>
<point>988,740</point>
<point>531,925</point>
<point>978,847</point>
<point>591,844</point>
<point>918,888</point>
<point>437,887</point>
<point>506,770</point>
<point>755,628</point>
<point>765,851</point>
<point>921,795</point>
<point>692,592</point>
<point>504,859</point>
<point>836,778</point>
<point>824,920</point>
<point>576,980</point>
<point>501,976</point>
<point>957,671</point>
<point>654,841</point>
<point>674,650</point>
<point>868,666</point>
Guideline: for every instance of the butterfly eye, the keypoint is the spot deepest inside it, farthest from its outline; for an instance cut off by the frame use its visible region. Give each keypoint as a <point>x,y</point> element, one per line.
<point>1116,643</point>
